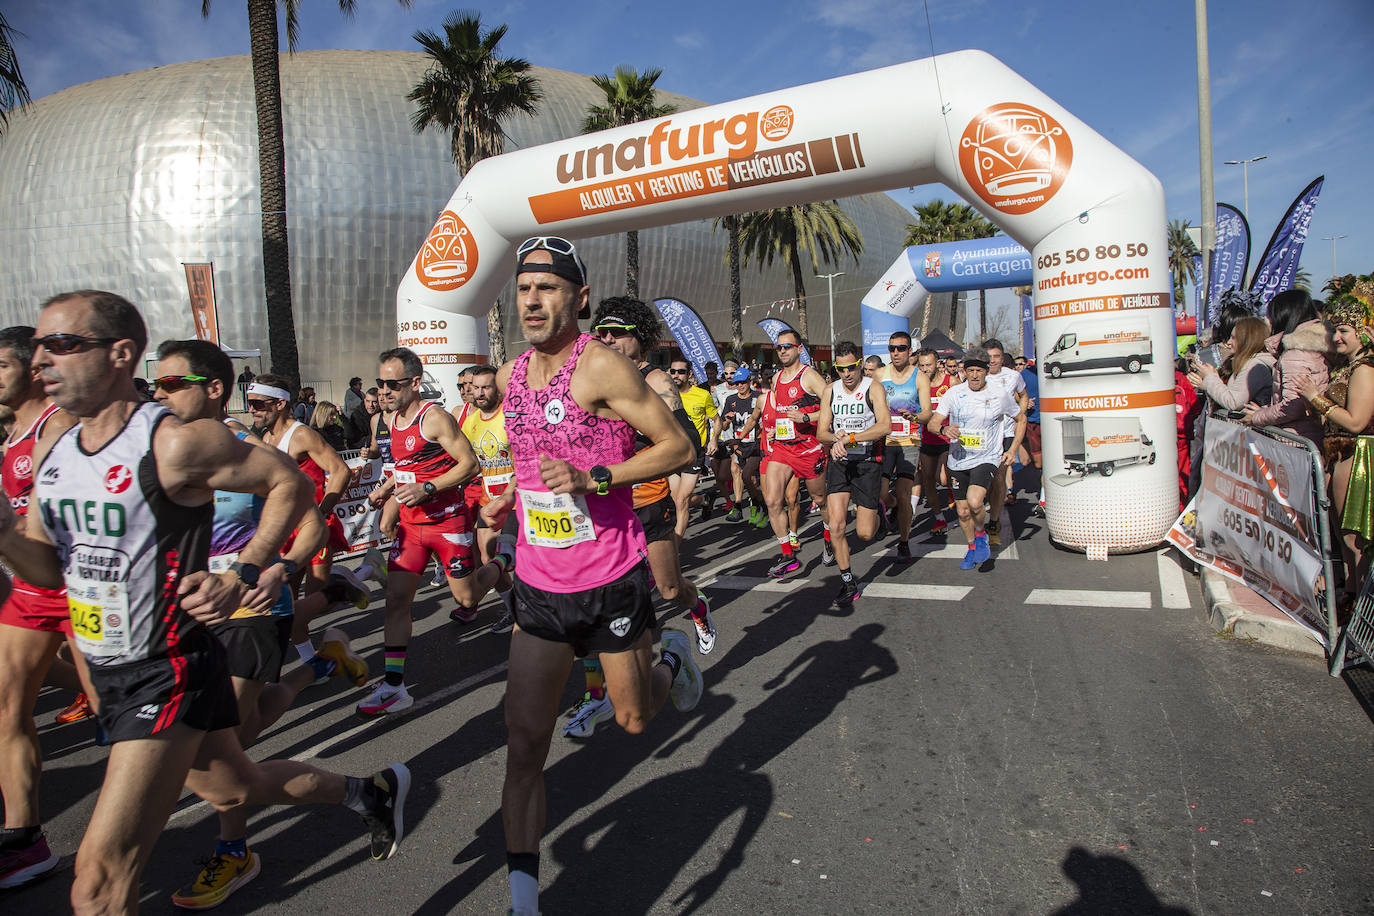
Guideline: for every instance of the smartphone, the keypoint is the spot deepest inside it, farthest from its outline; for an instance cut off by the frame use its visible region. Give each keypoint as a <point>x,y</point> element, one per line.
<point>1210,355</point>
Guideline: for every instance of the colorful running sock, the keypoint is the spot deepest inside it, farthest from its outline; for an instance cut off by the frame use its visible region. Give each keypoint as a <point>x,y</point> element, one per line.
<point>702,609</point>
<point>522,871</point>
<point>785,546</point>
<point>395,665</point>
<point>825,532</point>
<point>596,683</point>
<point>236,848</point>
<point>503,560</point>
<point>306,650</point>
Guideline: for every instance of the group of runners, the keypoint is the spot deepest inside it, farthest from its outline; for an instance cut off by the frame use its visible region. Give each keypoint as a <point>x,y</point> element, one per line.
<point>177,554</point>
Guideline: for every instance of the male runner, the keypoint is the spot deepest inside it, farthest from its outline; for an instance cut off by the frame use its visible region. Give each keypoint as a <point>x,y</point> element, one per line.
<point>908,396</point>
<point>573,408</point>
<point>873,366</point>
<point>972,415</point>
<point>701,410</point>
<point>33,621</point>
<point>1002,376</point>
<point>743,449</point>
<point>934,449</point>
<point>721,463</point>
<point>854,420</point>
<point>194,378</point>
<point>485,429</point>
<point>124,516</point>
<point>434,462</point>
<point>795,400</point>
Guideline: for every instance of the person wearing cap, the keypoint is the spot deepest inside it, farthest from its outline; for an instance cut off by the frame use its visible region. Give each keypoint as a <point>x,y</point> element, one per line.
<point>743,449</point>
<point>720,388</point>
<point>971,415</point>
<point>573,411</point>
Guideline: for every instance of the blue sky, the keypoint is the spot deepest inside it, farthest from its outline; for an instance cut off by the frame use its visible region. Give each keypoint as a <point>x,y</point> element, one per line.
<point>1289,81</point>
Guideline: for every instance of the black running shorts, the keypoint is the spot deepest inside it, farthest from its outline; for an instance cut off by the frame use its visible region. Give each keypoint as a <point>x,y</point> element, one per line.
<point>608,618</point>
<point>255,646</point>
<point>190,685</point>
<point>900,461</point>
<point>862,480</point>
<point>980,476</point>
<point>659,519</point>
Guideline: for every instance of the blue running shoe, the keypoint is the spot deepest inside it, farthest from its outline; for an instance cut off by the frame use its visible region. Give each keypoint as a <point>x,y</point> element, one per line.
<point>968,562</point>
<point>981,551</point>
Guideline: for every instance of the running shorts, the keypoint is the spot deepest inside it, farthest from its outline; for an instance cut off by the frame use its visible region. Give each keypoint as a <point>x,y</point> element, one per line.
<point>450,540</point>
<point>806,462</point>
<point>1033,438</point>
<point>608,618</point>
<point>33,608</point>
<point>935,449</point>
<point>141,699</point>
<point>980,476</point>
<point>255,646</point>
<point>336,542</point>
<point>862,480</point>
<point>658,519</point>
<point>900,461</point>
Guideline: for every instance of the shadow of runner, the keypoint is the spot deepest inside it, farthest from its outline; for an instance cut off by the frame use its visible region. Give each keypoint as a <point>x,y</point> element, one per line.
<point>1110,884</point>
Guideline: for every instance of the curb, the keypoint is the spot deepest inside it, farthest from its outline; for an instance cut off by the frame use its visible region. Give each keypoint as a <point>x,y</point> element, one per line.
<point>1232,619</point>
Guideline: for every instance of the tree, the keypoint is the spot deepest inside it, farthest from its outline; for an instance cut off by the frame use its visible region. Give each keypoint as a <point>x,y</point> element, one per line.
<point>629,99</point>
<point>14,92</point>
<point>732,226</point>
<point>1181,254</point>
<point>937,221</point>
<point>276,256</point>
<point>820,230</point>
<point>470,91</point>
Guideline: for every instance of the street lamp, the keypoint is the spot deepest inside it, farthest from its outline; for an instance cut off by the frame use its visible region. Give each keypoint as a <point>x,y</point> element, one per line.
<point>1332,240</point>
<point>830,285</point>
<point>1245,173</point>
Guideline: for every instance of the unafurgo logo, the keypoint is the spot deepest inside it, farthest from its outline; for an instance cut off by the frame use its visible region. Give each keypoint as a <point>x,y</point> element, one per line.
<point>1015,156</point>
<point>448,258</point>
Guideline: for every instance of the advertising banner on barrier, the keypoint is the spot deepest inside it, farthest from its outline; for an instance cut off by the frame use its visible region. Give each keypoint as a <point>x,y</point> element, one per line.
<point>1254,520</point>
<point>360,519</point>
<point>691,335</point>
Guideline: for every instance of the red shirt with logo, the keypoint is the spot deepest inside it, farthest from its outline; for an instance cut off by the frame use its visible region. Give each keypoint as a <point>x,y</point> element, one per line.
<point>418,459</point>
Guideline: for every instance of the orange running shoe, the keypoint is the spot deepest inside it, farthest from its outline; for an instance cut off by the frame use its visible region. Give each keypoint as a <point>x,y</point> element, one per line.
<point>80,709</point>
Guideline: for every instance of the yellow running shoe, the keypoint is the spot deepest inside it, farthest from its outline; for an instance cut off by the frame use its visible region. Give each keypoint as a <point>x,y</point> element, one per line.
<point>336,647</point>
<point>219,877</point>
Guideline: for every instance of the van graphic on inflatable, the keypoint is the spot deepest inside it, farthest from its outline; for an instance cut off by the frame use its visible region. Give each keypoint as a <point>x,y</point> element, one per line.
<point>1103,343</point>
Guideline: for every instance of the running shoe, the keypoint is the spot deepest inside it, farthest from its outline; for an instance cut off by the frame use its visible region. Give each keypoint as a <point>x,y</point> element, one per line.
<point>219,877</point>
<point>981,551</point>
<point>708,506</point>
<point>687,686</point>
<point>815,509</point>
<point>904,551</point>
<point>463,615</point>
<point>728,505</point>
<point>347,663</point>
<point>794,541</point>
<point>385,816</point>
<point>377,561</point>
<point>784,566</point>
<point>80,709</point>
<point>355,589</point>
<point>706,627</point>
<point>27,863</point>
<point>969,561</point>
<point>385,700</point>
<point>438,577</point>
<point>848,592</point>
<point>505,623</point>
<point>763,518</point>
<point>590,713</point>
<point>1039,510</point>
<point>734,516</point>
<point>939,527</point>
<point>827,555</point>
<point>995,533</point>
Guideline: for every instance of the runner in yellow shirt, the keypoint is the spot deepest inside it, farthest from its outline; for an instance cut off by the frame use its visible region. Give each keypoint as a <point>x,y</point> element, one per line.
<point>701,409</point>
<point>485,427</point>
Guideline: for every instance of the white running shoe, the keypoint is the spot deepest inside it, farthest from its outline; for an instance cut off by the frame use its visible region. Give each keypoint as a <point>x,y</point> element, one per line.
<point>686,688</point>
<point>377,561</point>
<point>705,627</point>
<point>589,714</point>
<point>385,700</point>
<point>438,577</point>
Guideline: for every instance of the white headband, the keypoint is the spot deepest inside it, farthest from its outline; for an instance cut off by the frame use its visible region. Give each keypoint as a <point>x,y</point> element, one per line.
<point>280,394</point>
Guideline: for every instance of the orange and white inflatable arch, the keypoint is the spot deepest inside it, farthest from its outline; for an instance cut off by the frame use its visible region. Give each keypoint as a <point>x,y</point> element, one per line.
<point>1092,217</point>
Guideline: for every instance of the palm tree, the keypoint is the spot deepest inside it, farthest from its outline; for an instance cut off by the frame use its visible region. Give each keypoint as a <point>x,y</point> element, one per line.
<point>629,99</point>
<point>469,91</point>
<point>938,222</point>
<point>14,93</point>
<point>276,260</point>
<point>731,225</point>
<point>821,230</point>
<point>1302,279</point>
<point>1181,254</point>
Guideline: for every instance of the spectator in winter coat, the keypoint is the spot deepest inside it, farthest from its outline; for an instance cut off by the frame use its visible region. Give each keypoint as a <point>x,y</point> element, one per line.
<point>1300,345</point>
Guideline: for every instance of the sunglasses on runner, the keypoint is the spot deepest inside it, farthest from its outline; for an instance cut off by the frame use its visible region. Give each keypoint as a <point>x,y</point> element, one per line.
<point>783,346</point>
<point>395,384</point>
<point>255,404</point>
<point>846,367</point>
<point>174,383</point>
<point>614,331</point>
<point>678,371</point>
<point>550,242</point>
<point>62,344</point>
<point>898,348</point>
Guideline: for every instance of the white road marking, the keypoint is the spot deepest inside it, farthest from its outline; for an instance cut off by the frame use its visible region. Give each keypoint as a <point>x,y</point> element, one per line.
<point>955,551</point>
<point>754,584</point>
<point>915,591</point>
<point>1173,589</point>
<point>1089,597</point>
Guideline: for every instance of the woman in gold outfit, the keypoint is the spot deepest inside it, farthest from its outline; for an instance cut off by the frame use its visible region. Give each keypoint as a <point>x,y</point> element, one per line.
<point>1347,411</point>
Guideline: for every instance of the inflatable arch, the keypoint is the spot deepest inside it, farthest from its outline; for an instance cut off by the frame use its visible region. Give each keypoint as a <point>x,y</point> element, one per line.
<point>1092,218</point>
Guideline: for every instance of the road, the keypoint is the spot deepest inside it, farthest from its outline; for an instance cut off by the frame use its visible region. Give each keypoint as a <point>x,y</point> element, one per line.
<point>1048,734</point>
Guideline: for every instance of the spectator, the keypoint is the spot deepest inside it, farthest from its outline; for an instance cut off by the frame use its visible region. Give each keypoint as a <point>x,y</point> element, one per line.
<point>245,379</point>
<point>326,421</point>
<point>1221,332</point>
<point>305,406</point>
<point>873,365</point>
<point>353,397</point>
<point>358,425</point>
<point>1300,344</point>
<point>1188,405</point>
<point>1250,368</point>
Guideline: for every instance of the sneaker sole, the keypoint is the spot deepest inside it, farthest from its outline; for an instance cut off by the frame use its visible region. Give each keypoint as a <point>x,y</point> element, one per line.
<point>398,809</point>
<point>349,662</point>
<point>584,729</point>
<point>378,712</point>
<point>29,874</point>
<point>191,903</point>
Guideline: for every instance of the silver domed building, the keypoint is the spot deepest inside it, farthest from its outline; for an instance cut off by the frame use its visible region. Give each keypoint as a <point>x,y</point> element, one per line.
<point>116,183</point>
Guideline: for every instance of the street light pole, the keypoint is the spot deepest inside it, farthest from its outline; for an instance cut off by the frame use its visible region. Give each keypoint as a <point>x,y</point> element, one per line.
<point>1332,240</point>
<point>830,285</point>
<point>1245,176</point>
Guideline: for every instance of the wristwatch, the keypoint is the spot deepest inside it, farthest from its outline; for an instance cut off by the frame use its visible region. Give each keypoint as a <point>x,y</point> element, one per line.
<point>429,488</point>
<point>601,476</point>
<point>247,573</point>
<point>289,565</point>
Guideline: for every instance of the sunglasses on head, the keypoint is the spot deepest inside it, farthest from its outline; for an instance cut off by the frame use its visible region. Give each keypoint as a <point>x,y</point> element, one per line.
<point>255,404</point>
<point>174,383</point>
<point>549,242</point>
<point>898,348</point>
<point>62,344</point>
<point>395,384</point>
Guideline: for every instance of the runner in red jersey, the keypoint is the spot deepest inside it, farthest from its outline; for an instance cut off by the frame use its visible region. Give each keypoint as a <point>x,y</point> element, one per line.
<point>32,622</point>
<point>935,448</point>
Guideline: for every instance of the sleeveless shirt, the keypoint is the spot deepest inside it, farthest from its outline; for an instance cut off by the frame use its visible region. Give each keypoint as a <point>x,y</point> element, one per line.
<point>419,459</point>
<point>902,396</point>
<point>16,472</point>
<point>852,412</point>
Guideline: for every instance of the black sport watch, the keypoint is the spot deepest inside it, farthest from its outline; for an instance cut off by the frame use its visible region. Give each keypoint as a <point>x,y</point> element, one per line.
<point>429,488</point>
<point>288,565</point>
<point>247,573</point>
<point>601,476</point>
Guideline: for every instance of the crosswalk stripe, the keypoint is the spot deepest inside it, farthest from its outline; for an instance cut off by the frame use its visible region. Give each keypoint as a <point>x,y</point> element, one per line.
<point>915,592</point>
<point>755,584</point>
<point>933,550</point>
<point>1173,590</point>
<point>1075,597</point>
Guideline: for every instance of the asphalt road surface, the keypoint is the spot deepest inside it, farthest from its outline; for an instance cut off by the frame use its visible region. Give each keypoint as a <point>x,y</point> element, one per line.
<point>1047,734</point>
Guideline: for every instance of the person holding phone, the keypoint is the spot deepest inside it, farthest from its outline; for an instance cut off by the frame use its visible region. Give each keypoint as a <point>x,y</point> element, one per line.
<point>1244,376</point>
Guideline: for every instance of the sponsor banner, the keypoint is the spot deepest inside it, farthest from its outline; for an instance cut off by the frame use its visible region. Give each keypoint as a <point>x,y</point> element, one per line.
<point>360,520</point>
<point>1230,258</point>
<point>200,285</point>
<point>1015,156</point>
<point>1278,266</point>
<point>878,326</point>
<point>1027,325</point>
<point>775,326</point>
<point>1255,519</point>
<point>993,263</point>
<point>691,335</point>
<point>1198,310</point>
<point>1088,403</point>
<point>1094,304</point>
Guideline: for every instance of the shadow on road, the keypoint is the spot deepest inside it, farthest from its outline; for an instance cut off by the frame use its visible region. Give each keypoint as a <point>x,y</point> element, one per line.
<point>1110,885</point>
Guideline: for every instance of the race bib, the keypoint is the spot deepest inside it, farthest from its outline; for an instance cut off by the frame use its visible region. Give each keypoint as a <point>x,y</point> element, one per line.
<point>784,430</point>
<point>221,563</point>
<point>100,616</point>
<point>404,476</point>
<point>496,484</point>
<point>556,520</point>
<point>971,440</point>
<point>901,427</point>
